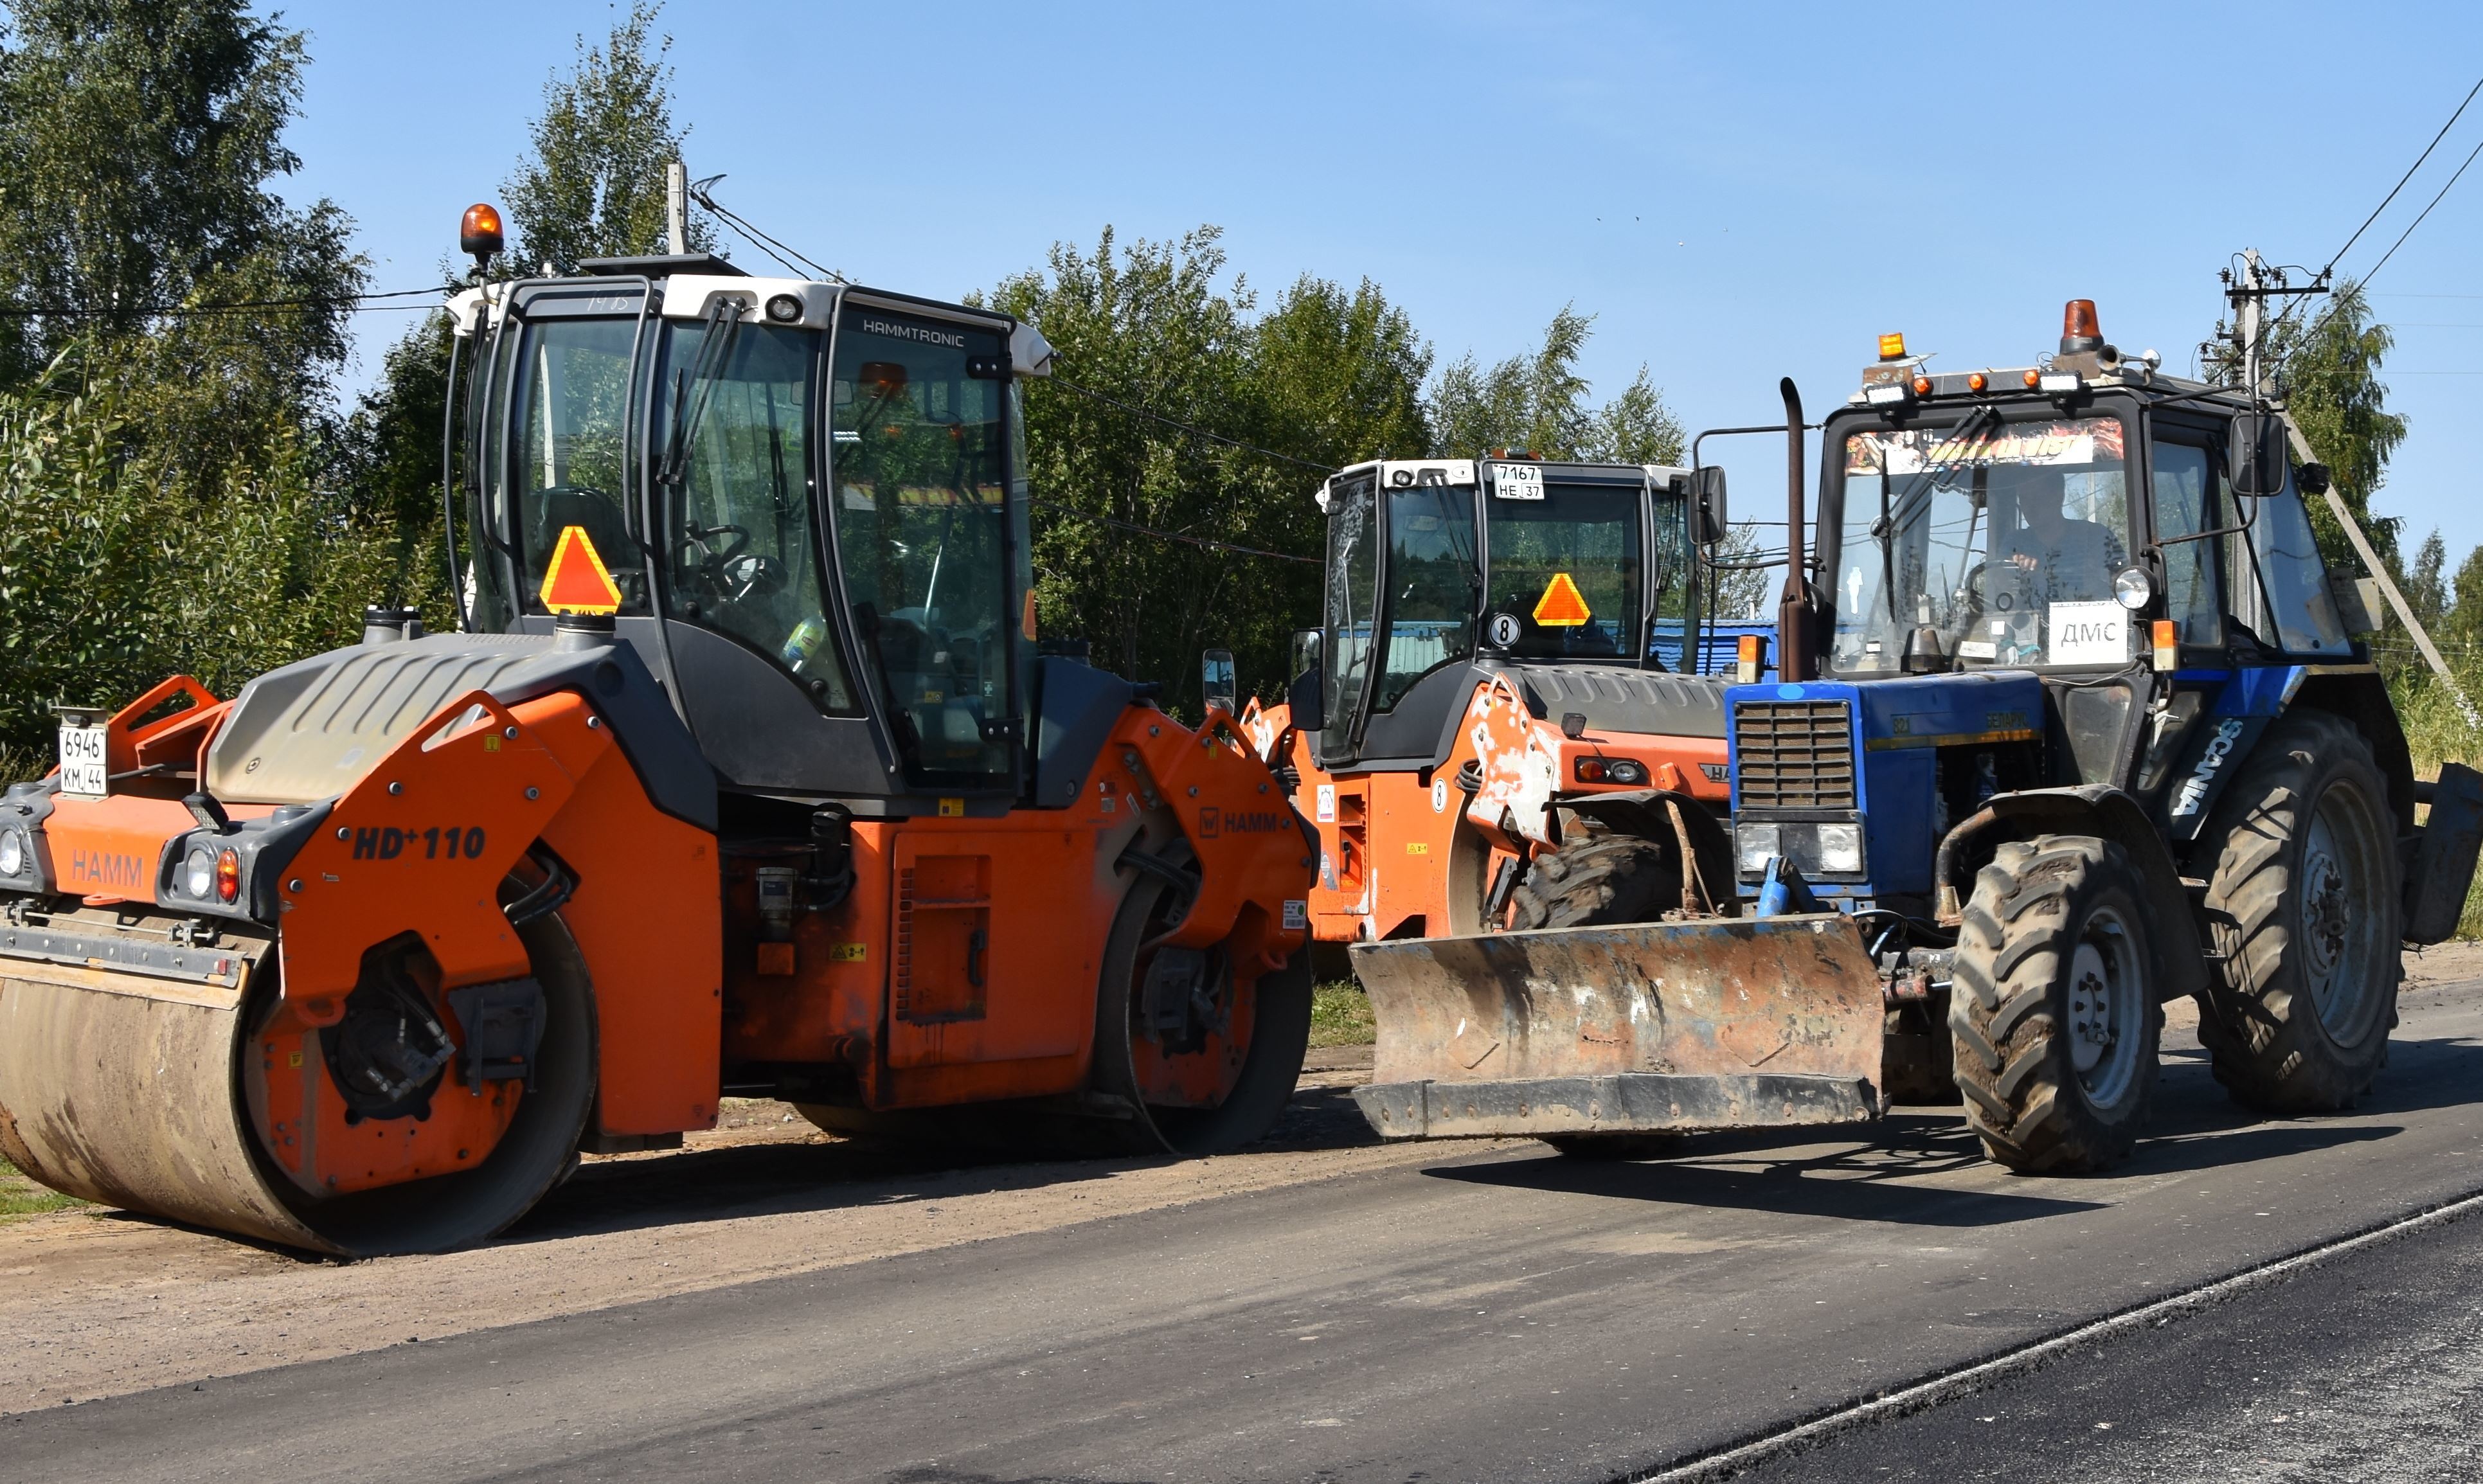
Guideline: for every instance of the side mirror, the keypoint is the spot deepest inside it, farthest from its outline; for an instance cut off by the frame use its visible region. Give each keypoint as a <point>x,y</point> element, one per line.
<point>2312,479</point>
<point>1308,702</point>
<point>1306,649</point>
<point>1707,518</point>
<point>1215,680</point>
<point>2259,454</point>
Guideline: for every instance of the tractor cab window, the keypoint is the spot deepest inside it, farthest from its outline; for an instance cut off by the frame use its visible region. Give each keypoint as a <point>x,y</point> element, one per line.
<point>1353,606</point>
<point>1431,577</point>
<point>1999,546</point>
<point>1565,568</point>
<point>2301,617</point>
<point>730,457</point>
<point>565,390</point>
<point>2189,500</point>
<point>920,437</point>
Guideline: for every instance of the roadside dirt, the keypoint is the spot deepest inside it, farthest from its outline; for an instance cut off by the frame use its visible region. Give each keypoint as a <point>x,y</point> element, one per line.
<point>97,1303</point>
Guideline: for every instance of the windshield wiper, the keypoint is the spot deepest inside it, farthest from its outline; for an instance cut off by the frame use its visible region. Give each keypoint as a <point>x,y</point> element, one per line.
<point>723,329</point>
<point>1924,485</point>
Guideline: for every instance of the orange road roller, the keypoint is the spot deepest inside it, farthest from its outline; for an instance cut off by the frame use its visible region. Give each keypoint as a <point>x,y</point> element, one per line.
<point>745,776</point>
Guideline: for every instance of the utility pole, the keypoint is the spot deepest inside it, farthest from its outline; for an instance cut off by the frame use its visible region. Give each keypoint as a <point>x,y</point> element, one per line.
<point>676,208</point>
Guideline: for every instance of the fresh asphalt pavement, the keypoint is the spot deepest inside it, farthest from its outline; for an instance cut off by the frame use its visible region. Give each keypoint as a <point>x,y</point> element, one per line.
<point>1512,1315</point>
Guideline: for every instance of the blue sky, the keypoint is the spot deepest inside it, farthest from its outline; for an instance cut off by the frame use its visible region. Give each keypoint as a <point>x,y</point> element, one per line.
<point>1735,193</point>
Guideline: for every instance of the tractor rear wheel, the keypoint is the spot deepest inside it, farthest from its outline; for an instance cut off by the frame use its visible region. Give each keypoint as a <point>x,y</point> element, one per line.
<point>1600,880</point>
<point>2052,1005</point>
<point>2305,907</point>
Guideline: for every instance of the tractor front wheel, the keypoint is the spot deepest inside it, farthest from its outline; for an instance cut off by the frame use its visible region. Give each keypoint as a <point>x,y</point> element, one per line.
<point>2052,1006</point>
<point>2304,903</point>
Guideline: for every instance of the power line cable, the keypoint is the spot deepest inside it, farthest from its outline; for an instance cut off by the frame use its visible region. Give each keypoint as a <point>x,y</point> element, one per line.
<point>351,302</point>
<point>2335,258</point>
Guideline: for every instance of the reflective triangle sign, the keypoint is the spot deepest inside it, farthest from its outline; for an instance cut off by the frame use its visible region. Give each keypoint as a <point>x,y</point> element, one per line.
<point>1561,605</point>
<point>577,581</point>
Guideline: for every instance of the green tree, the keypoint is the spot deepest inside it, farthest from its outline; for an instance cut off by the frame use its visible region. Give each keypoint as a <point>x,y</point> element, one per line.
<point>1153,342</point>
<point>2426,588</point>
<point>594,186</point>
<point>144,137</point>
<point>1539,401</point>
<point>2331,378</point>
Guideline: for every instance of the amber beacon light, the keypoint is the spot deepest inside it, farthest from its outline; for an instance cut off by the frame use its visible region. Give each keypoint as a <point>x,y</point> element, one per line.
<point>479,235</point>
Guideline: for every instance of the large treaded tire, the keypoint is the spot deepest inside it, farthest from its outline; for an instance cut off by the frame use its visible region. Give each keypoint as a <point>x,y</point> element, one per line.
<point>2052,921</point>
<point>1599,880</point>
<point>2305,908</point>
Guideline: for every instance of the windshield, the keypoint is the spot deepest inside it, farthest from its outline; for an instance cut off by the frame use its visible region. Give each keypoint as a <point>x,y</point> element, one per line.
<point>1565,568</point>
<point>2001,538</point>
<point>1430,585</point>
<point>920,443</point>
<point>732,441</point>
<point>1352,597</point>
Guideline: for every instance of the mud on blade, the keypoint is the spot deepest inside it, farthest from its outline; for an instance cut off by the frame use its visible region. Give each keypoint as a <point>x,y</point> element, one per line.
<point>1728,1023</point>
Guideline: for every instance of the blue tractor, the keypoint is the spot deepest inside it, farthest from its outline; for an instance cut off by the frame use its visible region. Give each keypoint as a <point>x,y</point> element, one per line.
<point>2070,720</point>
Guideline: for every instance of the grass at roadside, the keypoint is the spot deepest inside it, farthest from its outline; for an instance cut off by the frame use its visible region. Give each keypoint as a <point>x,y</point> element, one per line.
<point>1341,1015</point>
<point>22,1197</point>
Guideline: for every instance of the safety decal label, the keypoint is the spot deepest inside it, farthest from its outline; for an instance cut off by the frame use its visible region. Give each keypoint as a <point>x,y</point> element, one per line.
<point>577,581</point>
<point>1297,913</point>
<point>1561,605</point>
<point>1327,804</point>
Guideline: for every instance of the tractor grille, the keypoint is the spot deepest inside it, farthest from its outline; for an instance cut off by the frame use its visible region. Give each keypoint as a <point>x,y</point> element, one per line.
<point>1794,753</point>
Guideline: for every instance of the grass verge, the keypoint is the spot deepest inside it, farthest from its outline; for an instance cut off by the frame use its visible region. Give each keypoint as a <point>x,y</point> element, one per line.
<point>22,1197</point>
<point>1341,1015</point>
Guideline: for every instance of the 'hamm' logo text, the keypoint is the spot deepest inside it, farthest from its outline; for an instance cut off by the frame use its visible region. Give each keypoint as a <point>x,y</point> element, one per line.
<point>108,867</point>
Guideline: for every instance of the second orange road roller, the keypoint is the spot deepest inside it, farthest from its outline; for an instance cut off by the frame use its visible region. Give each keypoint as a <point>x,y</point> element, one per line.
<point>743,776</point>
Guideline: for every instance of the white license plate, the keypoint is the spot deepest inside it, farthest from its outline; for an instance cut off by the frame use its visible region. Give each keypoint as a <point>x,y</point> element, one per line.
<point>82,769</point>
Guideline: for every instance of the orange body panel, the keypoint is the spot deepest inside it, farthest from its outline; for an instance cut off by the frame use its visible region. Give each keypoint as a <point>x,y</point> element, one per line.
<point>1388,840</point>
<point>302,1124</point>
<point>888,979</point>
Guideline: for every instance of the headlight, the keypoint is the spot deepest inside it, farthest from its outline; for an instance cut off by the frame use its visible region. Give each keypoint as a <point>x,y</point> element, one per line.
<point>1840,849</point>
<point>1817,850</point>
<point>199,873</point>
<point>12,851</point>
<point>1610,770</point>
<point>1753,845</point>
<point>2133,588</point>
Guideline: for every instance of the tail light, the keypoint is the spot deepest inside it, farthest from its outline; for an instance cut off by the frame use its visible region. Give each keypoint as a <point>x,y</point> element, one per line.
<point>228,877</point>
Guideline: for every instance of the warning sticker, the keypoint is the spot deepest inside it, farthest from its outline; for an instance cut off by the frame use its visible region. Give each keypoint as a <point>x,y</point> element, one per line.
<point>1561,605</point>
<point>577,581</point>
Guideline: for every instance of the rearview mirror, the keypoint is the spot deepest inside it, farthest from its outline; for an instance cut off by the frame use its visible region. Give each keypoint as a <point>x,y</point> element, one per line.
<point>1306,650</point>
<point>1215,680</point>
<point>2259,454</point>
<point>1307,703</point>
<point>1707,516</point>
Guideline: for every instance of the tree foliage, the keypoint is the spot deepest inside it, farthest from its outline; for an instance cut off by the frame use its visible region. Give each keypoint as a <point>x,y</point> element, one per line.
<point>2332,384</point>
<point>1539,401</point>
<point>594,184</point>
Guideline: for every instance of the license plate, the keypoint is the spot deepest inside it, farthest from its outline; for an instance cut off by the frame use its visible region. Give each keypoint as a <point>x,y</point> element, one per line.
<point>82,769</point>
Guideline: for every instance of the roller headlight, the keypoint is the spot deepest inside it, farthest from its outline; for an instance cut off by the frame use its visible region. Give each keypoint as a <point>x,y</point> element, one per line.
<point>199,873</point>
<point>12,851</point>
<point>784,308</point>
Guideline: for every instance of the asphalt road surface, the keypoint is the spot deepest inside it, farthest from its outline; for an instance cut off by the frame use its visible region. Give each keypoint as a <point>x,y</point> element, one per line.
<point>1508,1315</point>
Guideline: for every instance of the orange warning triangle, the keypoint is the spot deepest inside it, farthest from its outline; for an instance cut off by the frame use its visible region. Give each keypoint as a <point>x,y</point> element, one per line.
<point>577,581</point>
<point>1561,605</point>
